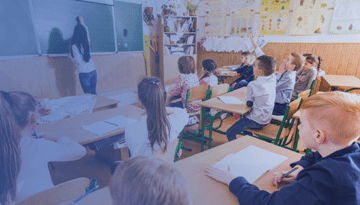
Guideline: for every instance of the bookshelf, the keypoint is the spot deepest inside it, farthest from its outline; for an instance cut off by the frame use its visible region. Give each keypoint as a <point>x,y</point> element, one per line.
<point>178,39</point>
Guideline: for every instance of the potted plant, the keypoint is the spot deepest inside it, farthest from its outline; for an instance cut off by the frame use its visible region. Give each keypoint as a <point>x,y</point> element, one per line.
<point>191,7</point>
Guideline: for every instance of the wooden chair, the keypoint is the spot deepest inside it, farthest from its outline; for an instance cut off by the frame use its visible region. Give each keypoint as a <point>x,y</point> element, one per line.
<point>168,156</point>
<point>58,194</point>
<point>279,133</point>
<point>200,92</point>
<point>316,87</point>
<point>305,94</point>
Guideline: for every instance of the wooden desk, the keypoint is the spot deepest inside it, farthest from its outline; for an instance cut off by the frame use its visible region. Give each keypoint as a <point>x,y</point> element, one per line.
<point>100,197</point>
<point>342,81</point>
<point>72,127</point>
<point>203,189</point>
<point>104,103</point>
<point>216,103</point>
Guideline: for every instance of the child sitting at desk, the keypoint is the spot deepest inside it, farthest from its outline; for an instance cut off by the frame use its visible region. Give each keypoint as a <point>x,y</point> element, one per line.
<point>285,82</point>
<point>24,159</point>
<point>186,80</point>
<point>260,95</point>
<point>330,125</point>
<point>160,126</point>
<point>148,181</point>
<point>245,71</point>
<point>306,75</point>
<point>209,78</point>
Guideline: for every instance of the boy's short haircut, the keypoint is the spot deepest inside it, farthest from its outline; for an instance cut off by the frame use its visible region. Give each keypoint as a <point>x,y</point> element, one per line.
<point>298,61</point>
<point>266,64</point>
<point>209,65</point>
<point>146,180</point>
<point>186,64</point>
<point>244,53</point>
<point>338,113</point>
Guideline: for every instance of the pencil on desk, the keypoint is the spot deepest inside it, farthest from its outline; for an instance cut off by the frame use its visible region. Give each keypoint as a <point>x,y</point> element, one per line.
<point>78,199</point>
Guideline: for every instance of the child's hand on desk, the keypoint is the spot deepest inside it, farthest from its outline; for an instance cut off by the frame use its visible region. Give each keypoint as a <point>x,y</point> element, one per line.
<point>49,136</point>
<point>278,177</point>
<point>219,175</point>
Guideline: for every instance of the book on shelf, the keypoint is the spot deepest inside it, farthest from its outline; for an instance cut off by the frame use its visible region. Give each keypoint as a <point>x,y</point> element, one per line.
<point>190,39</point>
<point>166,40</point>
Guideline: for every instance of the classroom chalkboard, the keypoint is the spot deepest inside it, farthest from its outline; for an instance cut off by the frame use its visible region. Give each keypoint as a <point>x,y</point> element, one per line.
<point>128,25</point>
<point>17,35</point>
<point>55,21</point>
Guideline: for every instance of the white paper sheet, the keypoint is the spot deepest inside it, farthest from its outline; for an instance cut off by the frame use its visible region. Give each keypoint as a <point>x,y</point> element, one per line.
<point>230,100</point>
<point>126,98</point>
<point>250,163</point>
<point>103,127</point>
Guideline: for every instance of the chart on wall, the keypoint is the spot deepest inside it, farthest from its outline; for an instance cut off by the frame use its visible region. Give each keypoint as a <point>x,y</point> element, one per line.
<point>241,19</point>
<point>346,17</point>
<point>308,17</point>
<point>273,17</point>
<point>215,17</point>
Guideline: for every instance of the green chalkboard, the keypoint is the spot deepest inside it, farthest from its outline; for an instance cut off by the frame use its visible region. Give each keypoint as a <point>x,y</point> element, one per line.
<point>128,16</point>
<point>17,35</point>
<point>55,21</point>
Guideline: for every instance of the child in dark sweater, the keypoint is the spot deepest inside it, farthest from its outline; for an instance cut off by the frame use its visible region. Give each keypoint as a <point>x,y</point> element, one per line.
<point>245,71</point>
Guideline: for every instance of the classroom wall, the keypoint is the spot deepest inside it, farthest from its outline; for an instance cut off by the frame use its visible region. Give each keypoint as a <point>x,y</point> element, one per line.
<point>54,77</point>
<point>338,58</point>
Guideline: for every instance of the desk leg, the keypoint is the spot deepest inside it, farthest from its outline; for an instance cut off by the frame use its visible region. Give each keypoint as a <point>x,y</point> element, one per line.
<point>294,135</point>
<point>202,124</point>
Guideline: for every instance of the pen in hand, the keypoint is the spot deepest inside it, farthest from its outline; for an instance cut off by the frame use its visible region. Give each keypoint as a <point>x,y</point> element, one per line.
<point>289,172</point>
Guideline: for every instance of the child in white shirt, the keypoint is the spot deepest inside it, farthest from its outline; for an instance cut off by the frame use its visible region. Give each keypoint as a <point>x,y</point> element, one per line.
<point>161,124</point>
<point>24,163</point>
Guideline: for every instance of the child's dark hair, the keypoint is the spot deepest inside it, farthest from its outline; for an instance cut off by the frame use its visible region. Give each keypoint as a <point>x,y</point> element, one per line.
<point>209,65</point>
<point>245,53</point>
<point>80,39</point>
<point>15,108</point>
<point>152,95</point>
<point>266,64</point>
<point>186,64</point>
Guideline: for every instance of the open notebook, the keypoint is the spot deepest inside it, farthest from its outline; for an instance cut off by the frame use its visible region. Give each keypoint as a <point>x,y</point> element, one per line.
<point>230,100</point>
<point>105,126</point>
<point>250,163</point>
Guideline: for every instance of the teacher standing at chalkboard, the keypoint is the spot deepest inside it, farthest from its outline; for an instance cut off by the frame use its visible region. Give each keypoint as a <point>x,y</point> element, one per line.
<point>80,55</point>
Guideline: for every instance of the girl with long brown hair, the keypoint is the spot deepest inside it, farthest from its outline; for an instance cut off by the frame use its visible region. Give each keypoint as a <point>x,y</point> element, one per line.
<point>159,126</point>
<point>24,159</point>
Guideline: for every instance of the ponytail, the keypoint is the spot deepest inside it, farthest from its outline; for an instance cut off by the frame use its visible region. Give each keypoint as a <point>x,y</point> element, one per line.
<point>209,65</point>
<point>152,95</point>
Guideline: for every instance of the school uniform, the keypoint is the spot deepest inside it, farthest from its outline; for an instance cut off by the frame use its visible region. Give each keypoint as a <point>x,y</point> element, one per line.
<point>334,179</point>
<point>304,79</point>
<point>284,88</point>
<point>137,136</point>
<point>34,175</point>
<point>261,92</point>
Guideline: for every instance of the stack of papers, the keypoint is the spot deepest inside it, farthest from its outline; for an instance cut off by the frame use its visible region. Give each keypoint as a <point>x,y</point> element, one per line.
<point>250,163</point>
<point>103,127</point>
<point>230,100</point>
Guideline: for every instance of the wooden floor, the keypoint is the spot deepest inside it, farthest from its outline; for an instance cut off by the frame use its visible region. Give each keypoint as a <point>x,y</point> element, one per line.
<point>90,167</point>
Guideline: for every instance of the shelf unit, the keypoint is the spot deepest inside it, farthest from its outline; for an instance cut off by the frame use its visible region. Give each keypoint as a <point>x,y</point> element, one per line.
<point>168,67</point>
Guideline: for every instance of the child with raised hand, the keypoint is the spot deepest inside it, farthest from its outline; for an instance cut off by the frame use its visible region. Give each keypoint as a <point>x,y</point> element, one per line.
<point>209,77</point>
<point>186,80</point>
<point>148,181</point>
<point>24,159</point>
<point>285,82</point>
<point>306,75</point>
<point>260,95</point>
<point>245,71</point>
<point>330,125</point>
<point>159,126</point>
